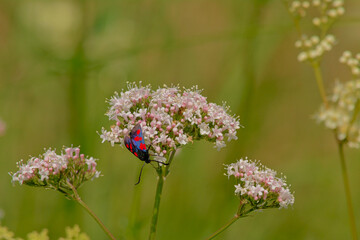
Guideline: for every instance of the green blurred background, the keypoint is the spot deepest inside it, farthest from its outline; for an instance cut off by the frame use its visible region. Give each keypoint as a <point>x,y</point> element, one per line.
<point>61,59</point>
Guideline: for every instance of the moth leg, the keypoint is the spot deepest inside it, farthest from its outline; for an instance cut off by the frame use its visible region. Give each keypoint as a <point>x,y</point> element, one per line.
<point>142,167</point>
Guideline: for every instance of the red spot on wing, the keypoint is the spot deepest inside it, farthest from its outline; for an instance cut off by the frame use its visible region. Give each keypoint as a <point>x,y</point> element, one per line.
<point>142,146</point>
<point>127,145</point>
<point>138,138</point>
<point>138,132</point>
<point>135,154</point>
<point>130,147</point>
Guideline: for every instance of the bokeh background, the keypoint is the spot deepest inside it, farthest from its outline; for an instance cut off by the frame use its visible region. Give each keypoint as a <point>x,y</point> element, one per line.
<point>61,59</point>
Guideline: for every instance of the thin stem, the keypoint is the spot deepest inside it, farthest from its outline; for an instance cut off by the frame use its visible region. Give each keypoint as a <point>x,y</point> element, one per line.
<point>77,198</point>
<point>238,215</point>
<point>162,172</point>
<point>320,82</point>
<point>155,216</point>
<point>223,228</point>
<point>172,154</point>
<point>347,191</point>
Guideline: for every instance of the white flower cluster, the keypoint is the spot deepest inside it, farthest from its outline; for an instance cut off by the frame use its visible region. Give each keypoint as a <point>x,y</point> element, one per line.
<point>259,185</point>
<point>169,117</point>
<point>54,171</point>
<point>342,112</point>
<point>352,61</point>
<point>313,47</point>
<point>329,10</point>
<point>299,8</point>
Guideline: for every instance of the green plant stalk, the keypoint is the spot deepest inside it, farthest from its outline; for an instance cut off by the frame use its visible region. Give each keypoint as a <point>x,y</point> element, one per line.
<point>162,172</point>
<point>155,216</point>
<point>77,198</point>
<point>320,83</point>
<point>347,190</point>
<point>240,213</point>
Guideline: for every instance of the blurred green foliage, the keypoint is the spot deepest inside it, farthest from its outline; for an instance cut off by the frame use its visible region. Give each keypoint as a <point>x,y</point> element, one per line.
<point>61,59</point>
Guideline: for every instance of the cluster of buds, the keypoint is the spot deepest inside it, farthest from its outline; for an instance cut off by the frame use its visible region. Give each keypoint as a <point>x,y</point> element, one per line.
<point>342,112</point>
<point>352,61</point>
<point>170,118</point>
<point>299,8</point>
<point>313,48</point>
<point>329,10</point>
<point>258,186</point>
<point>60,172</point>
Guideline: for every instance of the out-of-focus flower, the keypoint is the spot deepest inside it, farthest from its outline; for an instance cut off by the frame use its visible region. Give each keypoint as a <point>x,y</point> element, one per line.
<point>327,10</point>
<point>54,171</point>
<point>170,118</point>
<point>2,128</point>
<point>313,48</point>
<point>73,233</point>
<point>258,187</point>
<point>342,112</point>
<point>299,8</point>
<point>352,61</point>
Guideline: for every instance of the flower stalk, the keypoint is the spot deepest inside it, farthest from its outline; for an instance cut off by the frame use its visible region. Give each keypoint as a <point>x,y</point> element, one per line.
<point>347,190</point>
<point>162,172</point>
<point>240,213</point>
<point>320,82</point>
<point>340,143</point>
<point>75,196</point>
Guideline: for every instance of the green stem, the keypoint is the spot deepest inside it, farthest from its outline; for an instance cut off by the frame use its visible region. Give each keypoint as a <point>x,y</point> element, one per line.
<point>77,198</point>
<point>162,171</point>
<point>347,191</point>
<point>223,228</point>
<point>240,213</point>
<point>155,216</point>
<point>320,82</point>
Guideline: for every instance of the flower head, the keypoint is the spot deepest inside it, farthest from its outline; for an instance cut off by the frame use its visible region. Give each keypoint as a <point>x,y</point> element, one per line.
<point>170,118</point>
<point>342,112</point>
<point>59,172</point>
<point>323,14</point>
<point>259,186</point>
<point>353,62</point>
<point>313,48</point>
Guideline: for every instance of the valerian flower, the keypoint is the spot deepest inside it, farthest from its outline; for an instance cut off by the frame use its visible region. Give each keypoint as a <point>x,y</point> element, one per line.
<point>327,10</point>
<point>352,61</point>
<point>313,48</point>
<point>170,118</point>
<point>258,187</point>
<point>342,112</point>
<point>61,172</point>
<point>323,14</point>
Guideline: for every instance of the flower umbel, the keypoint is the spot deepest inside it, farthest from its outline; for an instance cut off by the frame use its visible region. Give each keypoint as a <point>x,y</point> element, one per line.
<point>342,113</point>
<point>352,61</point>
<point>258,187</point>
<point>170,118</point>
<point>54,171</point>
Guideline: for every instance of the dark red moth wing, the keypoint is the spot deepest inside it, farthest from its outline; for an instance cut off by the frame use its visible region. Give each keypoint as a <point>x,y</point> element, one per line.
<point>131,145</point>
<point>137,137</point>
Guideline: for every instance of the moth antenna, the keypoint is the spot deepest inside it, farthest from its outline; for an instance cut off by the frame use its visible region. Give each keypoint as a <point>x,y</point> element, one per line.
<point>140,174</point>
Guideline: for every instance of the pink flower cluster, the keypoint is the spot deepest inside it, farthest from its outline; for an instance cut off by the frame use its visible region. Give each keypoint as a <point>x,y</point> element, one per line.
<point>170,118</point>
<point>55,171</point>
<point>259,185</point>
